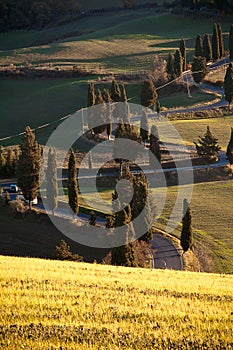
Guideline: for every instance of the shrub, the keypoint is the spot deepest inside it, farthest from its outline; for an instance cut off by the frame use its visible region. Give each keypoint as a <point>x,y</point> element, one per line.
<point>63,253</point>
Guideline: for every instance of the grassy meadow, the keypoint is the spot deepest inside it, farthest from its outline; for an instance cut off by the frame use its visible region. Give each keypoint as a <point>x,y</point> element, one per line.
<point>53,304</point>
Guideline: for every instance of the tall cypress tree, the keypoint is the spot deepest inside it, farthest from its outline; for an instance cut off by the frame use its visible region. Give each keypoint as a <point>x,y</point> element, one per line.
<point>199,68</point>
<point>51,180</point>
<point>115,91</point>
<point>178,63</point>
<point>144,127</point>
<point>100,113</point>
<point>170,67</point>
<point>2,161</point>
<point>108,118</point>
<point>207,48</point>
<point>148,94</point>
<point>230,43</point>
<point>228,84</point>
<point>229,152</point>
<point>215,43</point>
<point>90,102</point>
<point>155,151</point>
<point>183,53</point>
<point>208,147</point>
<point>199,51</point>
<point>10,161</point>
<point>186,239</point>
<point>28,168</point>
<point>158,107</point>
<point>220,42</point>
<point>124,255</point>
<point>73,184</point>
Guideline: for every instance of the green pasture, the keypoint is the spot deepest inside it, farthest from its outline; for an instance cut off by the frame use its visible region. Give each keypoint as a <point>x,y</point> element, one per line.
<point>212,220</point>
<point>115,42</point>
<point>37,102</point>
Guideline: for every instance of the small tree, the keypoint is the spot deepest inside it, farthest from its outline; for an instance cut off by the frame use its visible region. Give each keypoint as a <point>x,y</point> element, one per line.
<point>7,199</point>
<point>199,51</point>
<point>215,43</point>
<point>230,43</point>
<point>148,94</point>
<point>183,53</point>
<point>208,147</point>
<point>228,84</point>
<point>186,239</point>
<point>170,67</point>
<point>51,180</point>
<point>101,113</point>
<point>73,184</point>
<point>207,48</point>
<point>221,42</point>
<point>144,127</point>
<point>229,152</point>
<point>28,168</point>
<point>63,252</point>
<point>199,68</point>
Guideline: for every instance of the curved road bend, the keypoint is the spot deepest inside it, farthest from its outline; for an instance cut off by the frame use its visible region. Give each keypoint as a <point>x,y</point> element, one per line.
<point>166,255</point>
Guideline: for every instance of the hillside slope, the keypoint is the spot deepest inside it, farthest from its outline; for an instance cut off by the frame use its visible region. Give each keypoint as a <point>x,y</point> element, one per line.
<point>65,305</point>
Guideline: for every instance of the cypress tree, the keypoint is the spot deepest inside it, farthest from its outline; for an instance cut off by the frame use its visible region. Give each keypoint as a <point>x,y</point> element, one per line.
<point>10,161</point>
<point>90,102</point>
<point>221,42</point>
<point>101,112</point>
<point>183,53</point>
<point>148,94</point>
<point>178,63</point>
<point>155,151</point>
<point>144,127</point>
<point>73,184</point>
<point>123,97</point>
<point>207,48</point>
<point>91,95</point>
<point>124,255</point>
<point>170,67</point>
<point>28,168</point>
<point>228,84</point>
<point>199,68</point>
<point>230,43</point>
<point>199,51</point>
<point>2,161</point>
<point>158,107</point>
<point>115,92</point>
<point>215,43</point>
<point>186,239</point>
<point>208,147</point>
<point>107,99</point>
<point>51,180</point>
<point>229,152</point>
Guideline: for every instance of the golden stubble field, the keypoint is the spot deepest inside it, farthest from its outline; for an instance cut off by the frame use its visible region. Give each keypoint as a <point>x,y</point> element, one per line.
<point>64,305</point>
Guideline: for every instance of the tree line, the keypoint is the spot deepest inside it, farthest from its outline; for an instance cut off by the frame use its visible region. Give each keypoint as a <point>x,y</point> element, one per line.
<point>16,14</point>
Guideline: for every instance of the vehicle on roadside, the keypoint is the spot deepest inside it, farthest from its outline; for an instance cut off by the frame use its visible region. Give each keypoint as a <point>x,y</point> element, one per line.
<point>22,198</point>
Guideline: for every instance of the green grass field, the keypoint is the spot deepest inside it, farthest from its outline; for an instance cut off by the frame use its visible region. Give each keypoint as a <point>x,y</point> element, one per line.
<point>115,42</point>
<point>212,222</point>
<point>54,305</point>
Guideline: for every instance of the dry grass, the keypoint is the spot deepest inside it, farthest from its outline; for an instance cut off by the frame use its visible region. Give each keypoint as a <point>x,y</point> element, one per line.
<point>48,304</point>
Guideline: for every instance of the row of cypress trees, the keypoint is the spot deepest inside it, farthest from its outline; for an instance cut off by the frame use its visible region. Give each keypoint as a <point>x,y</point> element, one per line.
<point>8,161</point>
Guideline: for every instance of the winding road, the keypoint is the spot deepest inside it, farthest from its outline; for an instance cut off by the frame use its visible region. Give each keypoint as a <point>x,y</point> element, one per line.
<point>166,256</point>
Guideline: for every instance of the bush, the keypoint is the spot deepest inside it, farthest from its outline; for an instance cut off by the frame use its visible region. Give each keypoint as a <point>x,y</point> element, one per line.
<point>63,253</point>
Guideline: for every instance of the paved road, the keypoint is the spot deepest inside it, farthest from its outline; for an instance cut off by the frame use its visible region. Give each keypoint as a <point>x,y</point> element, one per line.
<point>166,254</point>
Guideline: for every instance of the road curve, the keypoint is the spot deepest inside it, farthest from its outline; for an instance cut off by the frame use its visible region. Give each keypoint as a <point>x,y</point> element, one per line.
<point>166,254</point>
